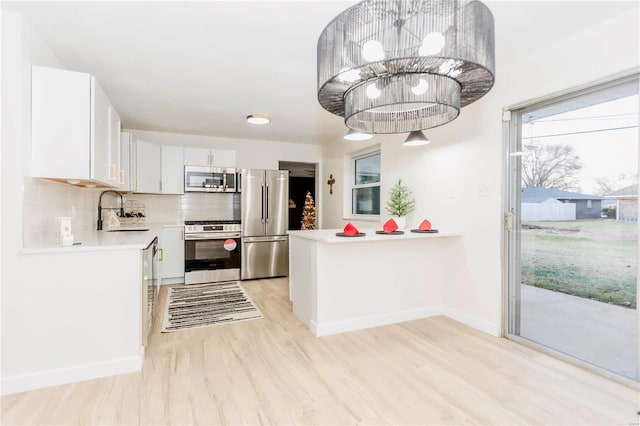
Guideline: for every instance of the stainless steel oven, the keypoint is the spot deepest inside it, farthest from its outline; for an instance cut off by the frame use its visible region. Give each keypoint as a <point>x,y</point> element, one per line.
<point>210,179</point>
<point>212,251</point>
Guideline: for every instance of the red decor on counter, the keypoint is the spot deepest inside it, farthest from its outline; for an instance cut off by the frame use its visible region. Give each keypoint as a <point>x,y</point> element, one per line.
<point>350,231</point>
<point>425,228</point>
<point>390,226</point>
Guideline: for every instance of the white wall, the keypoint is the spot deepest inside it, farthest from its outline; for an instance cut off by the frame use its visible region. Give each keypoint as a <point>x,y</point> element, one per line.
<point>457,180</point>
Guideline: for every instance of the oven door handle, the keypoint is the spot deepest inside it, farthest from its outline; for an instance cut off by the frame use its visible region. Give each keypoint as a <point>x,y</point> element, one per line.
<point>211,236</point>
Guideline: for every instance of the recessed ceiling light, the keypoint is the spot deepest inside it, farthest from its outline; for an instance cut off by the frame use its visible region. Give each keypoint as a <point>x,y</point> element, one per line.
<point>258,119</point>
<point>353,135</point>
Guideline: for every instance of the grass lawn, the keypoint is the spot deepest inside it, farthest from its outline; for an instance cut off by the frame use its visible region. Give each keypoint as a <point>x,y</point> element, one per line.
<point>595,258</point>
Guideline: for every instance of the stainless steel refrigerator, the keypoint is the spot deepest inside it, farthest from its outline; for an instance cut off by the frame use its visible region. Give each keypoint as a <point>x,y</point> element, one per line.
<point>265,216</point>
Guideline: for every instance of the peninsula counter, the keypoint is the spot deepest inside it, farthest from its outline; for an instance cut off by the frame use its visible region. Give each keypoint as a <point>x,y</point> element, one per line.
<point>340,284</point>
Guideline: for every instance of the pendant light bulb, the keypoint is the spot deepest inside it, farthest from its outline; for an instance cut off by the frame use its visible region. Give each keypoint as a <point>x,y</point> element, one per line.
<point>432,44</point>
<point>373,51</point>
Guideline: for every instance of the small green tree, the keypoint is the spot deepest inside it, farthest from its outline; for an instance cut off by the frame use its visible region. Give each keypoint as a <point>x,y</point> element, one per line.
<point>400,203</point>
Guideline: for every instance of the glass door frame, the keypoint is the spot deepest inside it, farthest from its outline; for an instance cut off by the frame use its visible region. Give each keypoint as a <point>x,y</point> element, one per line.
<point>512,145</point>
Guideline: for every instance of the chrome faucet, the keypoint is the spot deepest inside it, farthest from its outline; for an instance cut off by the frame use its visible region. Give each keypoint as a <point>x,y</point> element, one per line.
<point>108,208</point>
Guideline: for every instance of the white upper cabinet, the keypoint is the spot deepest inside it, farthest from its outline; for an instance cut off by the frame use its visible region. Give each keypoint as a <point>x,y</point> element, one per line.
<point>126,160</point>
<point>115,157</point>
<point>172,170</point>
<point>72,126</point>
<point>209,157</point>
<point>148,168</point>
<point>156,169</point>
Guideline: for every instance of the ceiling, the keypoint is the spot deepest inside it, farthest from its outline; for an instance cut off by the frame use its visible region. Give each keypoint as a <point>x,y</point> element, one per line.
<point>202,67</point>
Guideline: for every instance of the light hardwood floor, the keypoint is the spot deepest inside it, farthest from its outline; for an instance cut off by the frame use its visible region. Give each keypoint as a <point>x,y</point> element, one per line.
<point>274,371</point>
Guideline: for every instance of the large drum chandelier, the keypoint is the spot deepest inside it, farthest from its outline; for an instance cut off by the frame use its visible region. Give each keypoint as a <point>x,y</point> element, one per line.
<point>397,66</point>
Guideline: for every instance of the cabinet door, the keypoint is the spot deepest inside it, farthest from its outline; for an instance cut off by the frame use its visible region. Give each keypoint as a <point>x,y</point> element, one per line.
<point>172,169</point>
<point>148,167</point>
<point>114,147</point>
<point>172,263</point>
<point>99,134</point>
<point>60,123</point>
<point>197,157</point>
<point>125,161</point>
<point>223,158</point>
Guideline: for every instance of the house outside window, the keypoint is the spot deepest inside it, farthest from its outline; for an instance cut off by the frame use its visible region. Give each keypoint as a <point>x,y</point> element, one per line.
<point>365,189</point>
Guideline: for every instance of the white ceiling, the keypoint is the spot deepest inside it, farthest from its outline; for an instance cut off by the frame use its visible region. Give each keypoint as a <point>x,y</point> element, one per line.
<point>201,67</point>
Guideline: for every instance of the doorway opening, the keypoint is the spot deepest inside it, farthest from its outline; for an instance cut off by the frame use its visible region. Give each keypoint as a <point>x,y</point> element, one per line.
<point>302,179</point>
<point>573,248</point>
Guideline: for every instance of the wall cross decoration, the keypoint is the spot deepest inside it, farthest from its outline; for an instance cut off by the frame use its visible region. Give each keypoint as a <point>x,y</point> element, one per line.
<point>330,182</point>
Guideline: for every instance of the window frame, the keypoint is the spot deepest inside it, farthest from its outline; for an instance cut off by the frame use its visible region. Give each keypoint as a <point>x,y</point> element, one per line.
<point>352,186</point>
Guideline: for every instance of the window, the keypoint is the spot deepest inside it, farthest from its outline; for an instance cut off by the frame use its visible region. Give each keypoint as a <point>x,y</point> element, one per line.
<point>365,190</point>
<point>589,205</point>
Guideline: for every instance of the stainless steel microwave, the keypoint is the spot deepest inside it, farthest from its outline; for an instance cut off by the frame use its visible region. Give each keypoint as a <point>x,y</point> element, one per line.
<point>210,179</point>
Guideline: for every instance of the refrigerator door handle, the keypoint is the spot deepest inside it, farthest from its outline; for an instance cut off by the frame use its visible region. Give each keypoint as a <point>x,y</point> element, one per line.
<point>267,204</point>
<point>262,204</point>
<point>265,239</point>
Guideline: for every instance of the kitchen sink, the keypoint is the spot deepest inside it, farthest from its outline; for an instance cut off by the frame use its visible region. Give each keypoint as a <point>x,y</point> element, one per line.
<point>128,228</point>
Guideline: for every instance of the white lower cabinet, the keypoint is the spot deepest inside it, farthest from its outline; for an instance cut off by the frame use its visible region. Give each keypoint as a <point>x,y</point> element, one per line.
<point>172,254</point>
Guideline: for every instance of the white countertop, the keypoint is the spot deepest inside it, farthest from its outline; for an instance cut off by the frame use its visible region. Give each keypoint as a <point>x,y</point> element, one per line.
<point>100,240</point>
<point>329,235</point>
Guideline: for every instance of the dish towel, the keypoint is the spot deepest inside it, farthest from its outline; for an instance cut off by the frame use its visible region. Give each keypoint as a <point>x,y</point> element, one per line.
<point>425,225</point>
<point>349,229</point>
<point>390,226</point>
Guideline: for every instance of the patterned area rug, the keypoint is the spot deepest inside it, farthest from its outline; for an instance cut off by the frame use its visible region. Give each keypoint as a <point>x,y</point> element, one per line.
<point>203,305</point>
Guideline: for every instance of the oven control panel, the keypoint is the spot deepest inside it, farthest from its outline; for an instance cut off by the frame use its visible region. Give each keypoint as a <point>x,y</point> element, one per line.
<point>212,228</point>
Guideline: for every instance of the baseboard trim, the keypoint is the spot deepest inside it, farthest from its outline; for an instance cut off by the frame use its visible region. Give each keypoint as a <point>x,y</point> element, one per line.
<point>47,378</point>
<point>472,321</point>
<point>172,281</point>
<point>334,327</point>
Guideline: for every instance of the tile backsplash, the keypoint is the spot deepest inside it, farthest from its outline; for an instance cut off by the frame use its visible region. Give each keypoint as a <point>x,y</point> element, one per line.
<point>45,200</point>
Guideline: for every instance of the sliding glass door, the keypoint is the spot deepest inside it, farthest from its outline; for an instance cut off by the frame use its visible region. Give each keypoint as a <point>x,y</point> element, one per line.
<point>573,248</point>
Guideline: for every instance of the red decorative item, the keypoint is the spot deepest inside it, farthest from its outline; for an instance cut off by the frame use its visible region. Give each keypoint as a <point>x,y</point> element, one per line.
<point>349,229</point>
<point>390,226</point>
<point>425,225</point>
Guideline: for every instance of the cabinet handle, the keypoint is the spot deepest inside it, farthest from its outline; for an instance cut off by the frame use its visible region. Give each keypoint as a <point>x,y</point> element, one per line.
<point>122,175</point>
<point>113,172</point>
<point>137,184</point>
<point>160,185</point>
<point>182,235</point>
<point>211,163</point>
<point>161,255</point>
